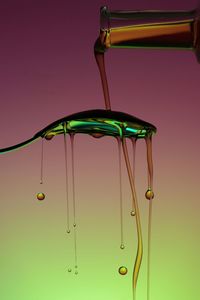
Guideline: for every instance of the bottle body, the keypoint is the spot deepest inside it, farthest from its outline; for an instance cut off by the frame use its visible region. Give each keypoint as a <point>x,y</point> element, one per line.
<point>149,29</point>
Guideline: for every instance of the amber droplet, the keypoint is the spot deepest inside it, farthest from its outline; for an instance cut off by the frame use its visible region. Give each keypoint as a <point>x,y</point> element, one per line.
<point>123,270</point>
<point>49,136</point>
<point>40,196</point>
<point>132,213</point>
<point>97,135</point>
<point>149,194</point>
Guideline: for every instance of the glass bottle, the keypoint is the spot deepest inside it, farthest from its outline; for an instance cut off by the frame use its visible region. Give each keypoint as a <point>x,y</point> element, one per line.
<point>149,29</point>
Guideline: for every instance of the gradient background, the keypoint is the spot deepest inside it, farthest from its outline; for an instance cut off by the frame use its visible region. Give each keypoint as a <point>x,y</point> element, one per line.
<point>47,72</point>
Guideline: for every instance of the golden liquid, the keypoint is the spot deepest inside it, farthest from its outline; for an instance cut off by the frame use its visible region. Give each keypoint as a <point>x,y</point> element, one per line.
<point>139,254</point>
<point>123,270</point>
<point>150,187</point>
<point>101,65</point>
<point>135,208</point>
<point>169,34</point>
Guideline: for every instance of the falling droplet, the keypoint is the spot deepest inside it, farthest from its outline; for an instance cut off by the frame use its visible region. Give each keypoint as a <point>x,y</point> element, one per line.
<point>68,231</point>
<point>69,270</point>
<point>74,224</point>
<point>123,270</point>
<point>49,136</point>
<point>132,213</point>
<point>122,246</point>
<point>149,194</point>
<point>40,196</point>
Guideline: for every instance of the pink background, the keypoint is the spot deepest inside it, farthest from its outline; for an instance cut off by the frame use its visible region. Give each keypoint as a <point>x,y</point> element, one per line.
<point>48,71</point>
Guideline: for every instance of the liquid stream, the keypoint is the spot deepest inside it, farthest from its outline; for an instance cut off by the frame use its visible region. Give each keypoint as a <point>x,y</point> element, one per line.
<point>135,208</point>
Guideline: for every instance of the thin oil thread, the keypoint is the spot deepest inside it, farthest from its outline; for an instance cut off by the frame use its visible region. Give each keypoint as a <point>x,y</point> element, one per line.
<point>42,159</point>
<point>66,182</point>
<point>74,204</point>
<point>139,254</point>
<point>133,140</point>
<point>150,186</point>
<point>119,140</point>
<point>120,193</point>
<point>149,161</point>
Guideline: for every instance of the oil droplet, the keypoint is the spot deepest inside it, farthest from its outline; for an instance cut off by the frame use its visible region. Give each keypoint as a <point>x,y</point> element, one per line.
<point>76,272</point>
<point>74,224</point>
<point>69,270</point>
<point>123,270</point>
<point>76,266</point>
<point>40,196</point>
<point>49,136</point>
<point>132,213</point>
<point>97,135</point>
<point>122,246</point>
<point>149,194</point>
<point>68,231</point>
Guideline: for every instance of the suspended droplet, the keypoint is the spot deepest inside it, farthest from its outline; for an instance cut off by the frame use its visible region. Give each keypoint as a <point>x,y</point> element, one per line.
<point>69,270</point>
<point>74,224</point>
<point>149,194</point>
<point>133,213</point>
<point>122,246</point>
<point>76,272</point>
<point>97,135</point>
<point>49,136</point>
<point>123,270</point>
<point>40,196</point>
<point>68,231</point>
